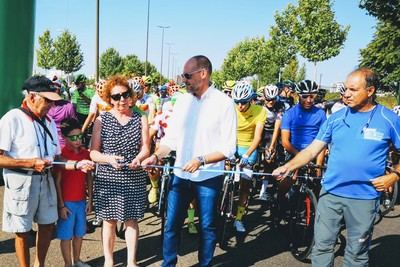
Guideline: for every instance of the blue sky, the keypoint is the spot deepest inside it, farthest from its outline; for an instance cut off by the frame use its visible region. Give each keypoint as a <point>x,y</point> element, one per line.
<point>209,27</point>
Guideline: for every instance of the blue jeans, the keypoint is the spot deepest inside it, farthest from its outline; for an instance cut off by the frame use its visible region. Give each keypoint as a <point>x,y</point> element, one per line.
<point>181,193</point>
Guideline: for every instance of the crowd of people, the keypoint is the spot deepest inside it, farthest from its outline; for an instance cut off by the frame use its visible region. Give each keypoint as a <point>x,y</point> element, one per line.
<point>51,145</point>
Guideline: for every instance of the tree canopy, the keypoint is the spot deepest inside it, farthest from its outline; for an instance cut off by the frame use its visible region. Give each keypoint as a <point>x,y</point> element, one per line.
<point>388,11</point>
<point>68,56</point>
<point>111,63</point>
<point>45,52</point>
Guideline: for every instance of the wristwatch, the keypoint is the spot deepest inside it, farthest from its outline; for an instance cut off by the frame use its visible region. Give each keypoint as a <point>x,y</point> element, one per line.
<point>202,160</point>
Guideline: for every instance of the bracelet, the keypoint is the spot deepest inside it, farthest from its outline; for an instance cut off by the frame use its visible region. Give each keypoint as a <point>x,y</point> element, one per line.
<point>155,155</point>
<point>76,165</point>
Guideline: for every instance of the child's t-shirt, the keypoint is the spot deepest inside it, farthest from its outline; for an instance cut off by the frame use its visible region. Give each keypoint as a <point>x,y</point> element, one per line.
<point>73,183</point>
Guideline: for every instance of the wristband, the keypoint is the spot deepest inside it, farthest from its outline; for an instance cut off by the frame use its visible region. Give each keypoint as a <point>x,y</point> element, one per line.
<point>397,173</point>
<point>76,165</point>
<point>202,160</point>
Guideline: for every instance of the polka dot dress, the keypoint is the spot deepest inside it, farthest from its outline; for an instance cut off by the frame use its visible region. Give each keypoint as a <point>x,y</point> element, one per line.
<point>120,194</point>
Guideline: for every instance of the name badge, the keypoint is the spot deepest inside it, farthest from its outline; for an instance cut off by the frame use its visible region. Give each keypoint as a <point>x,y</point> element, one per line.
<point>372,134</point>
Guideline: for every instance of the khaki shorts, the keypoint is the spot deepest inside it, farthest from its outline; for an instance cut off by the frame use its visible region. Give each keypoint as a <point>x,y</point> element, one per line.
<point>27,199</point>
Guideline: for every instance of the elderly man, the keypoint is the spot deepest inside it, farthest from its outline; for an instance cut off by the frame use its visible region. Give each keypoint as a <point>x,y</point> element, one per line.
<point>360,136</point>
<point>202,130</point>
<point>28,144</point>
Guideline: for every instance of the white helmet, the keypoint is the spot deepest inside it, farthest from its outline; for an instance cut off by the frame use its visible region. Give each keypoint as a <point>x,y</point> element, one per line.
<point>135,86</point>
<point>243,91</point>
<point>396,109</point>
<point>341,88</point>
<point>307,87</point>
<point>271,91</point>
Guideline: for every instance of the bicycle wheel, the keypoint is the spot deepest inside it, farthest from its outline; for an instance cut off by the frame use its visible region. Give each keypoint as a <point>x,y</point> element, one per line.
<point>162,205</point>
<point>388,200</point>
<point>301,224</point>
<point>226,212</point>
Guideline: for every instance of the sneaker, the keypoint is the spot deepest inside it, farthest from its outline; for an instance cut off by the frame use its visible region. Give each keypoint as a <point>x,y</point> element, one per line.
<point>265,196</point>
<point>239,226</point>
<point>153,195</point>
<point>192,229</point>
<point>81,264</point>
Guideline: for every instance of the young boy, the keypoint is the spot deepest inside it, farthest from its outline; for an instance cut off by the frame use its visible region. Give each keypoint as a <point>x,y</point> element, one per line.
<point>71,186</point>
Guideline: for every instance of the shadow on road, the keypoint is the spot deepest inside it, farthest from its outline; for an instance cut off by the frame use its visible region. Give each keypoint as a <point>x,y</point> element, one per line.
<point>385,251</point>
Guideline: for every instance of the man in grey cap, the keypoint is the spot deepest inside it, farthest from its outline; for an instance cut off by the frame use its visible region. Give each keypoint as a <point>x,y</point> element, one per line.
<point>28,145</point>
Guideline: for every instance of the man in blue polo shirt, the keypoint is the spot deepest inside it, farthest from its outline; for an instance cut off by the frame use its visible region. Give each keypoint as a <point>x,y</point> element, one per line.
<point>360,136</point>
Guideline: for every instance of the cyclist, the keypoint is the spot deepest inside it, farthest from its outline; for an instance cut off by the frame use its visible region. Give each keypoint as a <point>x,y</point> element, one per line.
<point>286,95</point>
<point>396,109</point>
<point>301,123</point>
<point>341,103</point>
<point>251,119</point>
<point>163,98</point>
<point>146,101</point>
<point>275,110</point>
<point>228,86</point>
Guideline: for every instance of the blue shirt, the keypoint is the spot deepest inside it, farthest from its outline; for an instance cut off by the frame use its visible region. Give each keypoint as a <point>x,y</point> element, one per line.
<point>303,125</point>
<point>359,148</point>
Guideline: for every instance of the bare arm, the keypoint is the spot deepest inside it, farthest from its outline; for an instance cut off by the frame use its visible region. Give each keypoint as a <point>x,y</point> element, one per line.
<point>36,164</point>
<point>301,159</point>
<point>88,121</point>
<point>275,135</point>
<point>285,135</point>
<point>383,182</point>
<point>145,149</point>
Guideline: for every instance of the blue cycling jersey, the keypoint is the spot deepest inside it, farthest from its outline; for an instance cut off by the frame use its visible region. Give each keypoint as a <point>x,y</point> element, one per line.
<point>303,125</point>
<point>359,148</point>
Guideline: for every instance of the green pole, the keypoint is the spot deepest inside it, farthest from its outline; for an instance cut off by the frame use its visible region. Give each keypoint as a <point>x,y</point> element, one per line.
<point>17,26</point>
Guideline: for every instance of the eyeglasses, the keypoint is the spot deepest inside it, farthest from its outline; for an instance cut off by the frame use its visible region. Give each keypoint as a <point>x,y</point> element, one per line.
<point>243,102</point>
<point>188,75</point>
<point>75,137</point>
<point>125,95</point>
<point>307,96</point>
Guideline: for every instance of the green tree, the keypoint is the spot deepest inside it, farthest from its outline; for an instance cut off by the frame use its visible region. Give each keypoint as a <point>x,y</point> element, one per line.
<point>318,36</point>
<point>282,39</point>
<point>111,63</point>
<point>249,57</point>
<point>68,56</point>
<point>388,11</point>
<point>217,78</point>
<point>132,66</point>
<point>45,52</point>
<point>383,54</point>
<point>293,72</point>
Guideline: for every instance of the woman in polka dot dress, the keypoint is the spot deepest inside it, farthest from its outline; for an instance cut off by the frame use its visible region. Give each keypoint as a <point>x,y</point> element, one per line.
<point>120,141</point>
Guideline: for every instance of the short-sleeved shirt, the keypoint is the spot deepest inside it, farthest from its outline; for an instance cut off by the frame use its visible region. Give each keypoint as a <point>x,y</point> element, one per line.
<point>60,111</point>
<point>273,114</point>
<point>359,148</point>
<point>80,97</point>
<point>73,183</point>
<point>23,138</point>
<point>160,123</point>
<point>302,124</point>
<point>247,122</point>
<point>97,104</point>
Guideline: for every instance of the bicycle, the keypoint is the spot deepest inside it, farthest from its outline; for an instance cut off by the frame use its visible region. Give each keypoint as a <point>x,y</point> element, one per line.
<point>163,193</point>
<point>225,208</point>
<point>302,198</point>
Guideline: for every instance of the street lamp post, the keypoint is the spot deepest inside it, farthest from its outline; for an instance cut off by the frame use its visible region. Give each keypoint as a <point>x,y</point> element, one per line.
<point>147,38</point>
<point>169,58</point>
<point>162,48</point>
<point>97,39</point>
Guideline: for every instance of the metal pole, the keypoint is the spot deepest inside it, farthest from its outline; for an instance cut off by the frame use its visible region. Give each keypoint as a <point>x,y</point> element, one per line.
<point>97,39</point>
<point>169,57</point>
<point>147,38</point>
<point>162,49</point>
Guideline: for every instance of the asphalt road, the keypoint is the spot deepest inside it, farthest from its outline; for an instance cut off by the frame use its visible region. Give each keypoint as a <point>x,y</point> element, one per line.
<point>262,246</point>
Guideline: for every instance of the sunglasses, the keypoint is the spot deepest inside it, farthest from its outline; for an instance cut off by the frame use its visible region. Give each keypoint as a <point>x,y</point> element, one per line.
<point>75,137</point>
<point>117,97</point>
<point>243,102</point>
<point>270,99</point>
<point>188,75</point>
<point>307,96</point>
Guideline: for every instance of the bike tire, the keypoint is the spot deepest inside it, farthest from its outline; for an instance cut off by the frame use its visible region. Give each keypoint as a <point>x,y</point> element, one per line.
<point>301,224</point>
<point>225,213</point>
<point>163,205</point>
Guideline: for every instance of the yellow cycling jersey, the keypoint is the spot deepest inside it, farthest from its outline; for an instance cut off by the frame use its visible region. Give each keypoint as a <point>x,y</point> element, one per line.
<point>247,122</point>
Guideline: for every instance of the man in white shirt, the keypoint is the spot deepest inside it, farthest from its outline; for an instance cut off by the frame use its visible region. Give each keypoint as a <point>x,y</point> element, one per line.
<point>202,131</point>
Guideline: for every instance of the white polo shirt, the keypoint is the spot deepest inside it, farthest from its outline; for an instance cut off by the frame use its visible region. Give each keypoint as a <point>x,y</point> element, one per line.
<point>198,127</point>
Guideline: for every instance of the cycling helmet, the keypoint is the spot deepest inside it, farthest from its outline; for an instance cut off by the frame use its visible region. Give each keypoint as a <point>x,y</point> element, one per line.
<point>135,85</point>
<point>100,85</point>
<point>396,109</point>
<point>163,88</point>
<point>271,91</point>
<point>243,91</point>
<point>289,84</point>
<point>341,88</point>
<point>147,80</point>
<point>228,85</point>
<point>307,87</point>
